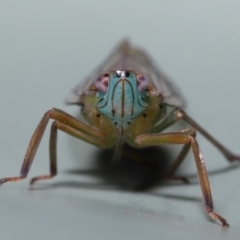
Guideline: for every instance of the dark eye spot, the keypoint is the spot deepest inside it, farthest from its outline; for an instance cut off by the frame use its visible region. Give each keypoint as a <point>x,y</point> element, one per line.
<point>145,115</point>
<point>127,73</point>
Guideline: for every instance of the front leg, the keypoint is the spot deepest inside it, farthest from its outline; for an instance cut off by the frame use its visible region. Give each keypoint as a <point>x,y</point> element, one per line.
<point>66,123</point>
<point>186,137</point>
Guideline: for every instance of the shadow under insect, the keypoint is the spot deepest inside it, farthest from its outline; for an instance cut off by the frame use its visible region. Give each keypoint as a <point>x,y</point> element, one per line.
<point>137,169</point>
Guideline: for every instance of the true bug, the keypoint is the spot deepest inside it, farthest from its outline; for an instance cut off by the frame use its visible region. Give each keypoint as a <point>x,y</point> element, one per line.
<point>123,101</point>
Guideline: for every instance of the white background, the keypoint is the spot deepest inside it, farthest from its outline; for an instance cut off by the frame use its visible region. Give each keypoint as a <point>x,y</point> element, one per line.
<point>47,47</point>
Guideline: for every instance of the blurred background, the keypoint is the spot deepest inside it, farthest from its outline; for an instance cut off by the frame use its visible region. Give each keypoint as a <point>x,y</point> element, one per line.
<point>46,48</point>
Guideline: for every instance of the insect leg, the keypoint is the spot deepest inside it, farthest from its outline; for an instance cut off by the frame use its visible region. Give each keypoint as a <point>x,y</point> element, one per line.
<point>169,175</point>
<point>185,137</point>
<point>178,114</point>
<point>66,123</point>
<point>169,120</point>
<point>52,155</point>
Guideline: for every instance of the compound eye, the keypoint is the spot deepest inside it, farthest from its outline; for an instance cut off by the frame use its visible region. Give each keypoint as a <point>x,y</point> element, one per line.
<point>142,82</point>
<point>102,83</point>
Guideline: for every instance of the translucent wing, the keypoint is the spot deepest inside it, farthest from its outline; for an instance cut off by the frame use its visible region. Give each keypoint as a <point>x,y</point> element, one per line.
<point>126,57</point>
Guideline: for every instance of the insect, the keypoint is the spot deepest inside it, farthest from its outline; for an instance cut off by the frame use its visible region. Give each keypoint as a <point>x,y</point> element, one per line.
<point>126,100</point>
